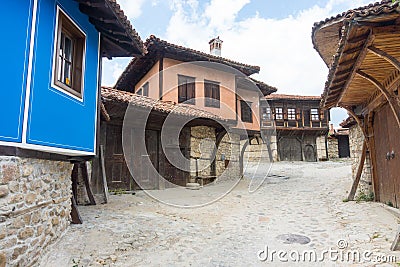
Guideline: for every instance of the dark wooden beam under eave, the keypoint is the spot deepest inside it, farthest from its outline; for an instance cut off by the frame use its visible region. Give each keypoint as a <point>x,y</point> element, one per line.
<point>119,50</point>
<point>358,61</point>
<point>382,54</point>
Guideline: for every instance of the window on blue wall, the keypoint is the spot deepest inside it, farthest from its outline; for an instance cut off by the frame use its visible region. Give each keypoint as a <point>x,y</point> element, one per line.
<point>69,56</point>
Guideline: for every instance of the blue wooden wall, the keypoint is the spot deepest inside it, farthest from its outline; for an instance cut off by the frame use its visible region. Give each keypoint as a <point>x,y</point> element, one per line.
<point>54,119</point>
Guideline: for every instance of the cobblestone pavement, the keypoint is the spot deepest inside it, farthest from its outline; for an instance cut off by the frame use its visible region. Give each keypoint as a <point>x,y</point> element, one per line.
<point>298,210</point>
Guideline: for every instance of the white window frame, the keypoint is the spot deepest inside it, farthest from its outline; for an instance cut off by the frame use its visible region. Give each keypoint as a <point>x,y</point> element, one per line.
<point>280,114</point>
<point>291,114</point>
<point>312,115</point>
<point>55,58</point>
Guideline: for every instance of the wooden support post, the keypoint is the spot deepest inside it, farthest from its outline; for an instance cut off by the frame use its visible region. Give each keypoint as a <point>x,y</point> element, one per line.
<point>75,216</point>
<point>241,156</point>
<point>103,174</point>
<point>396,242</point>
<point>85,176</point>
<point>359,172</point>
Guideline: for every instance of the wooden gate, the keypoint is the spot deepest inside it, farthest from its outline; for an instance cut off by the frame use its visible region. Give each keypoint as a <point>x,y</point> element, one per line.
<point>344,146</point>
<point>309,153</point>
<point>289,149</point>
<point>117,172</point>
<point>387,156</point>
<point>149,162</point>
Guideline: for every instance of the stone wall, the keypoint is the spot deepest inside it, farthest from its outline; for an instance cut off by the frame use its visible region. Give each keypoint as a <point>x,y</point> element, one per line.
<point>256,152</point>
<point>228,155</point>
<point>321,148</point>
<point>202,143</point>
<point>35,204</point>
<point>356,139</point>
<point>333,148</point>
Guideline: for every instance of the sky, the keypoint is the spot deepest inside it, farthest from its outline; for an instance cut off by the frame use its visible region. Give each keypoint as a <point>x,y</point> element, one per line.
<point>272,34</point>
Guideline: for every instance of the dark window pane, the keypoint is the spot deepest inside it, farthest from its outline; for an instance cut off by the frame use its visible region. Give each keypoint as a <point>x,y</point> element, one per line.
<point>246,113</point>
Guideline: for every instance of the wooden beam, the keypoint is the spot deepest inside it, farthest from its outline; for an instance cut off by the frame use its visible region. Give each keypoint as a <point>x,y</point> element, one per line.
<point>386,29</point>
<point>358,61</point>
<point>85,176</point>
<point>357,119</point>
<point>352,50</point>
<point>347,62</point>
<point>91,3</point>
<point>382,54</point>
<point>75,216</point>
<point>343,72</point>
<point>392,103</point>
<point>358,38</point>
<point>359,172</point>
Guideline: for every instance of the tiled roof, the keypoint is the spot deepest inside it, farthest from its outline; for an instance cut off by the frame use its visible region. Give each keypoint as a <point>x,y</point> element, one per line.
<point>111,94</point>
<point>157,48</point>
<point>347,123</point>
<point>120,37</point>
<point>291,97</point>
<point>265,88</point>
<point>327,33</point>
<point>153,40</point>
<point>377,8</point>
<point>127,24</point>
<point>378,12</point>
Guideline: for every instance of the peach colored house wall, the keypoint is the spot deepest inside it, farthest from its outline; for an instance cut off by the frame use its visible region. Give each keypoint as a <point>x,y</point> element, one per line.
<point>153,79</point>
<point>226,80</point>
<point>253,97</point>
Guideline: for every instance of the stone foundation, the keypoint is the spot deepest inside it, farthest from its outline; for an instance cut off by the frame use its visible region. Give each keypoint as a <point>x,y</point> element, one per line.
<point>256,152</point>
<point>333,148</point>
<point>228,156</point>
<point>202,142</point>
<point>35,205</point>
<point>356,139</point>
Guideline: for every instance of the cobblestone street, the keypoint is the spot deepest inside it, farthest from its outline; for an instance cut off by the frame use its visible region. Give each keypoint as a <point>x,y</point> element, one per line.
<point>300,209</point>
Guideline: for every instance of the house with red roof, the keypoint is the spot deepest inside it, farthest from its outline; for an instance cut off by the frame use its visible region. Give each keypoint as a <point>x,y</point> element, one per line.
<point>299,127</point>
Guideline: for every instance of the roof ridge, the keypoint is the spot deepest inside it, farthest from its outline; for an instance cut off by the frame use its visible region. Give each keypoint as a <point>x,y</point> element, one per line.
<point>362,11</point>
<point>152,37</point>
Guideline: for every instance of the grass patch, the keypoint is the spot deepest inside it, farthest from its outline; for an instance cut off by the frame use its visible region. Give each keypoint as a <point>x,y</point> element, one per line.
<point>367,197</point>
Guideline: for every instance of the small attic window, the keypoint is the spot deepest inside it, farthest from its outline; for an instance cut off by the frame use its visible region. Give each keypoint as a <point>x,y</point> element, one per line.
<point>69,56</point>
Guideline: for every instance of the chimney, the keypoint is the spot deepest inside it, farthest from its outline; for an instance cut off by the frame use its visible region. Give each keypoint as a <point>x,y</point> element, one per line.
<point>215,46</point>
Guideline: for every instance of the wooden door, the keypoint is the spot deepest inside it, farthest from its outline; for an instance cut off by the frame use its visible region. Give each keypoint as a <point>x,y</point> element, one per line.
<point>289,149</point>
<point>343,145</point>
<point>149,161</point>
<point>387,149</point>
<point>118,175</point>
<point>173,174</point>
<point>309,153</point>
<point>394,154</point>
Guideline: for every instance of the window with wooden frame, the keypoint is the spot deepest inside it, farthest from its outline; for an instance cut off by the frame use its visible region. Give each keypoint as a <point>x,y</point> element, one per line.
<point>291,114</point>
<point>211,94</point>
<point>278,113</point>
<point>144,90</point>
<point>186,89</point>
<point>245,111</point>
<point>314,114</point>
<point>69,56</point>
<point>266,114</point>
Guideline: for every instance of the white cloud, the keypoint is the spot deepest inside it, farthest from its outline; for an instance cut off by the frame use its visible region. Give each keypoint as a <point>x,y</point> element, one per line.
<point>222,13</point>
<point>281,47</point>
<point>132,8</point>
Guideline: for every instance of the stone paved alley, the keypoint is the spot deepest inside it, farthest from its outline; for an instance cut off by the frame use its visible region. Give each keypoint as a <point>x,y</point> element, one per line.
<point>304,199</point>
